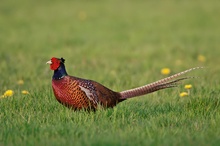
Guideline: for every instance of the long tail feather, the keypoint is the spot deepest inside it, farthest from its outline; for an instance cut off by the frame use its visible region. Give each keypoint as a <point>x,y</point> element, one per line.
<point>169,82</point>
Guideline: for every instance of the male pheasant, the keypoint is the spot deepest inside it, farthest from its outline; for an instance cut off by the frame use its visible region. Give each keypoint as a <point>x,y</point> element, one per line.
<point>78,93</point>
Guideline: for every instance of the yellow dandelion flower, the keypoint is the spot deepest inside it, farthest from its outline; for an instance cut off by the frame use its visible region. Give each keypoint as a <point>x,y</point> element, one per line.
<point>201,58</point>
<point>189,86</point>
<point>178,62</point>
<point>24,92</point>
<point>113,72</point>
<point>182,94</point>
<point>165,71</point>
<point>20,82</point>
<point>8,93</point>
<point>82,15</point>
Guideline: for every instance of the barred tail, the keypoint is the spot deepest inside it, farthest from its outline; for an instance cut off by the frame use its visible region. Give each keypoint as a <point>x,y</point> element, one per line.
<point>169,82</point>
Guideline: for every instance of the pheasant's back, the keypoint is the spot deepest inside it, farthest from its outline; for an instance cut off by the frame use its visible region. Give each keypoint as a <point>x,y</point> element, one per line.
<point>80,93</point>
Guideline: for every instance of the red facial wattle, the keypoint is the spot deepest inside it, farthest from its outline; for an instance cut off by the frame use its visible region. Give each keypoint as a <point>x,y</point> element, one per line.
<point>55,63</point>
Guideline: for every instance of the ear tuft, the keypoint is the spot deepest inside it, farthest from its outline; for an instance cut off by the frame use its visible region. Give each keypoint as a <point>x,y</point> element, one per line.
<point>62,60</point>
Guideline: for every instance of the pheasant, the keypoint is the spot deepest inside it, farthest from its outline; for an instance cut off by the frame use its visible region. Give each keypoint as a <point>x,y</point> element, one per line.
<point>78,93</point>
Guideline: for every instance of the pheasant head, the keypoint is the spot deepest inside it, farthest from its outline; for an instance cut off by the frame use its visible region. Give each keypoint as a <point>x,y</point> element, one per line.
<point>57,64</point>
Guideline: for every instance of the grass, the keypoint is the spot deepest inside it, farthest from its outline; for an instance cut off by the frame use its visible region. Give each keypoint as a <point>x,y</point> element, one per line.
<point>121,45</point>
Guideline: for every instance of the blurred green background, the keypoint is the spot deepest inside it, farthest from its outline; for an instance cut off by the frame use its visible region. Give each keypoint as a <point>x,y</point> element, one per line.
<point>107,35</point>
<point>121,44</point>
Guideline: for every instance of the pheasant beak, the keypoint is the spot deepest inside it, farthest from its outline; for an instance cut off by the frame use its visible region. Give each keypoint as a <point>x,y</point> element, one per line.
<point>49,62</point>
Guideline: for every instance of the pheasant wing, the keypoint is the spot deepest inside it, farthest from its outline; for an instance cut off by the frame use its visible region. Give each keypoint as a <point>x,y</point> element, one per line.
<point>90,91</point>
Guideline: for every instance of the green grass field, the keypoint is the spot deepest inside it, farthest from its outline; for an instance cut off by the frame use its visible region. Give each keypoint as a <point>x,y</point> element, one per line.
<point>121,44</point>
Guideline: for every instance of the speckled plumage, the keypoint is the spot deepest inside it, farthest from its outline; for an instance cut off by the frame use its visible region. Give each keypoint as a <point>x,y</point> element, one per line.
<point>78,93</point>
<point>71,91</point>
